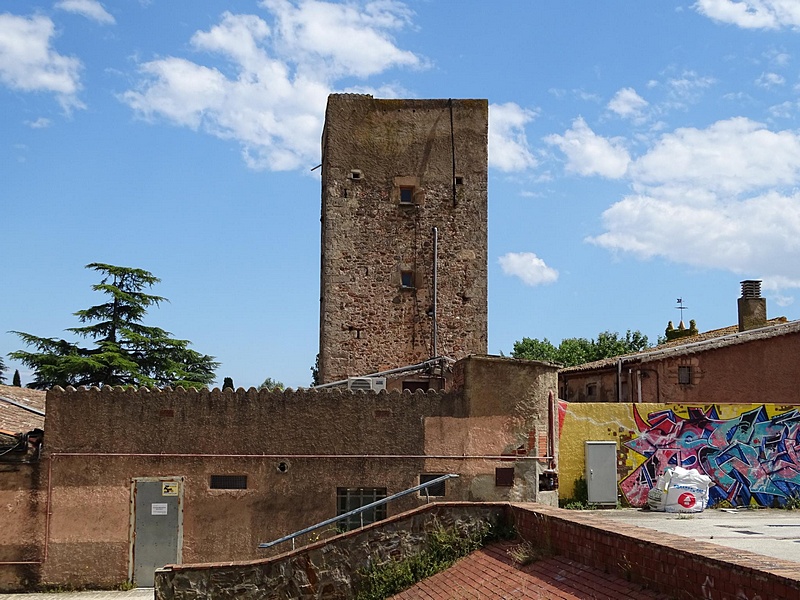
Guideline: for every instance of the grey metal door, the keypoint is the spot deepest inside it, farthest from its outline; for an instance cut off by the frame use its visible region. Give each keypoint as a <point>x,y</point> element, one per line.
<point>601,472</point>
<point>157,526</point>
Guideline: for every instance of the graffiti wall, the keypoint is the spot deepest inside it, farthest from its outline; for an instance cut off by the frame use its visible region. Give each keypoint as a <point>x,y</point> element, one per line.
<point>751,452</point>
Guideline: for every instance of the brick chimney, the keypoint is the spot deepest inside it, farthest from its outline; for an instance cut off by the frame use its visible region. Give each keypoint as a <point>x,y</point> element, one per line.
<point>752,307</point>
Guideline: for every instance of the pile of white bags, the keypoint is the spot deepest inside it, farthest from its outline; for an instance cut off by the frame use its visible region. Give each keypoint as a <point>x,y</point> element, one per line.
<point>680,490</point>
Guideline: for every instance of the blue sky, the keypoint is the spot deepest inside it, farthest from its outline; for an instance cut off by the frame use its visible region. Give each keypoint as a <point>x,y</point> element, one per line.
<point>639,153</point>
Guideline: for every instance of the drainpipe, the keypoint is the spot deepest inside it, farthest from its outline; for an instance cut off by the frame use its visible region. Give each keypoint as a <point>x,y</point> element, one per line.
<point>639,381</point>
<point>435,271</point>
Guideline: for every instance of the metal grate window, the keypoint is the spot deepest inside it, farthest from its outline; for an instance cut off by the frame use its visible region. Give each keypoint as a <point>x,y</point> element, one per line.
<point>434,490</point>
<point>684,375</point>
<point>228,482</point>
<point>348,499</point>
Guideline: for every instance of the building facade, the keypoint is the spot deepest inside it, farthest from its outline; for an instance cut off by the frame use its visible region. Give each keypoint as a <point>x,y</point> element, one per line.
<point>737,364</point>
<point>130,480</point>
<point>404,233</point>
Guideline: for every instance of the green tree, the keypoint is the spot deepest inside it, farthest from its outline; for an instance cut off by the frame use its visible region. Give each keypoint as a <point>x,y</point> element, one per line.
<point>125,352</point>
<point>577,351</point>
<point>2,370</point>
<point>271,385</point>
<point>315,372</point>
<point>533,349</point>
<point>17,382</point>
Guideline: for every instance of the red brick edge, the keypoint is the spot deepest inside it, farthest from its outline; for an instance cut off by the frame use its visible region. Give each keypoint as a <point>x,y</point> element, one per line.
<point>665,563</point>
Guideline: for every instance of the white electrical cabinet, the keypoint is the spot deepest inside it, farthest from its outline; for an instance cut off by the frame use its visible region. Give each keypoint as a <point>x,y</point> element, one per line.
<point>601,472</point>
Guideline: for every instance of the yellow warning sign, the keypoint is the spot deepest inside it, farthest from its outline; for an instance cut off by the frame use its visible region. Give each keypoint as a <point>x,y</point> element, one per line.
<point>169,488</point>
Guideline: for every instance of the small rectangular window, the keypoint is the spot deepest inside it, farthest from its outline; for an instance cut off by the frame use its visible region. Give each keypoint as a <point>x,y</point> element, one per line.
<point>459,180</point>
<point>685,375</point>
<point>432,490</point>
<point>591,390</point>
<point>406,194</point>
<point>407,279</point>
<point>348,499</point>
<point>504,476</point>
<point>228,482</point>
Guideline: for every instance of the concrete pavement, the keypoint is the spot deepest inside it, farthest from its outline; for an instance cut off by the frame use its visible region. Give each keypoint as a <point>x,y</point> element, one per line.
<point>769,532</point>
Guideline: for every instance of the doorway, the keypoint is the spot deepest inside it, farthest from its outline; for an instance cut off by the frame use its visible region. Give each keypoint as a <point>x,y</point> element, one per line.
<point>156,526</point>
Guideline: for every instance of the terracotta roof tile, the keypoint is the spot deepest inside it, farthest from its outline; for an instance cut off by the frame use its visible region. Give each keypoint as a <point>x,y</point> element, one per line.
<point>687,345</point>
<point>18,420</point>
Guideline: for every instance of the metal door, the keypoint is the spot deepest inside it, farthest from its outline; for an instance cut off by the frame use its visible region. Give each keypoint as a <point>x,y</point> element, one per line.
<point>157,521</point>
<point>601,472</point>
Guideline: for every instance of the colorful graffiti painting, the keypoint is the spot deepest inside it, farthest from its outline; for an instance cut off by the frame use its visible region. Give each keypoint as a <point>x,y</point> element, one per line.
<point>752,458</point>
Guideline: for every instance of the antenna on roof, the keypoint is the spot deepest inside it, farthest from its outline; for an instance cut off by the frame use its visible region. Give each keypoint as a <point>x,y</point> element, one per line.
<point>681,307</point>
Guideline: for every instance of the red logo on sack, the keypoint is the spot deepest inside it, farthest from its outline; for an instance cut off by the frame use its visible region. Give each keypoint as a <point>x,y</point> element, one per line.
<point>686,500</point>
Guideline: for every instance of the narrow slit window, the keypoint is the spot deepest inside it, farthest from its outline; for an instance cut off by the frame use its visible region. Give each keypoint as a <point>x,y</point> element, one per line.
<point>406,195</point>
<point>228,482</point>
<point>407,279</point>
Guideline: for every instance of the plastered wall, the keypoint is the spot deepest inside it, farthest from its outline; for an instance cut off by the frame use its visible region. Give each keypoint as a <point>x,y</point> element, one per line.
<point>750,451</point>
<point>296,448</point>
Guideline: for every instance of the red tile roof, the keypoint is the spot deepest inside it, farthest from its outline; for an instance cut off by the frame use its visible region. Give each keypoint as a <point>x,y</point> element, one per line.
<point>18,420</point>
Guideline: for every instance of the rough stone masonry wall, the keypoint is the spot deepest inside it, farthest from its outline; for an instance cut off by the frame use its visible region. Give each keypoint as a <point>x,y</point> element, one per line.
<point>369,322</point>
<point>329,569</point>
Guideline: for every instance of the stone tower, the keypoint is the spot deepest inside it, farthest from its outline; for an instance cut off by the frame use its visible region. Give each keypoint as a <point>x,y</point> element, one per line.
<point>404,233</point>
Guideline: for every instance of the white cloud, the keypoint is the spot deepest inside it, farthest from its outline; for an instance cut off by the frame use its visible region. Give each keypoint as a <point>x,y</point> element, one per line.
<point>40,123</point>
<point>333,37</point>
<point>770,80</point>
<point>687,88</point>
<point>590,154</point>
<point>729,157</point>
<point>722,197</point>
<point>628,104</point>
<point>531,269</point>
<point>29,63</point>
<point>91,9</point>
<point>784,110</point>
<point>508,145</point>
<point>281,75</point>
<point>752,14</point>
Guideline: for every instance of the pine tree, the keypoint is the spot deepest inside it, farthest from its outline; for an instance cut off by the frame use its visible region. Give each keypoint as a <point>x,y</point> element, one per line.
<point>17,382</point>
<point>125,352</point>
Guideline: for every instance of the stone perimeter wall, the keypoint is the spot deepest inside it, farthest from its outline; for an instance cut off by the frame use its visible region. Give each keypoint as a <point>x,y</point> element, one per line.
<point>330,569</point>
<point>667,563</point>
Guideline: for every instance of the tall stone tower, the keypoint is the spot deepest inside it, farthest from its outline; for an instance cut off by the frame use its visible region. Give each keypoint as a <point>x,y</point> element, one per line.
<point>404,233</point>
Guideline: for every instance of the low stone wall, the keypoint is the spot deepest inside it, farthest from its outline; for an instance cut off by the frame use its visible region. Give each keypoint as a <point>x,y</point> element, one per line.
<point>328,569</point>
<point>683,568</point>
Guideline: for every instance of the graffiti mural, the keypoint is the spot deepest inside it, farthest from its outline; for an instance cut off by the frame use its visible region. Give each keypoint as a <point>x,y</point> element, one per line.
<point>752,458</point>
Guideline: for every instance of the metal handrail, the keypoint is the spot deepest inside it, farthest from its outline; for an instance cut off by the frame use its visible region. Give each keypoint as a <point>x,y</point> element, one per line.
<point>359,511</point>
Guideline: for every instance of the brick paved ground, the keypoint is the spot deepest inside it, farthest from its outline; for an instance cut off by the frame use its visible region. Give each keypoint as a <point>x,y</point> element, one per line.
<point>491,573</point>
